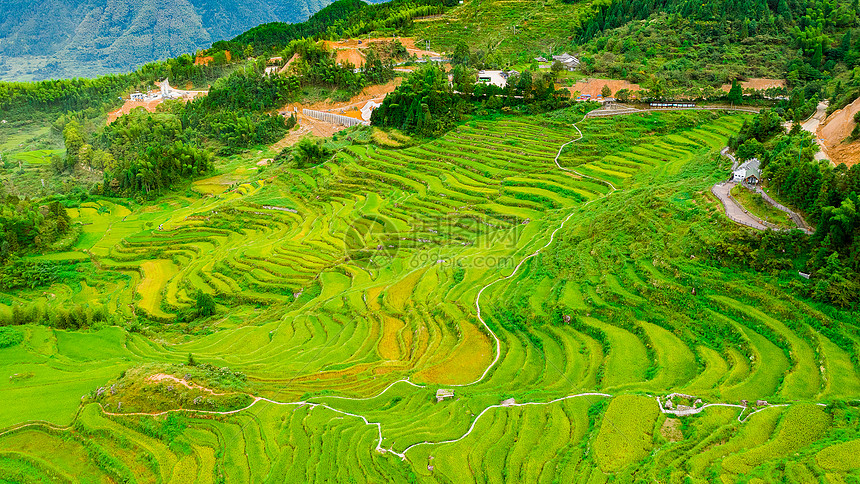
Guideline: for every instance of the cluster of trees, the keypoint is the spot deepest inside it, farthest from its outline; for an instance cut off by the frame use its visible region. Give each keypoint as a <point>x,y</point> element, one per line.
<point>306,153</point>
<point>317,66</point>
<point>615,14</point>
<point>479,58</point>
<point>19,100</point>
<point>828,197</point>
<point>252,91</point>
<point>816,28</point>
<point>748,142</point>
<point>18,273</point>
<point>427,104</point>
<point>71,317</point>
<point>29,226</point>
<point>148,152</point>
<point>183,69</point>
<point>26,225</point>
<point>379,61</point>
<point>744,18</point>
<point>10,337</point>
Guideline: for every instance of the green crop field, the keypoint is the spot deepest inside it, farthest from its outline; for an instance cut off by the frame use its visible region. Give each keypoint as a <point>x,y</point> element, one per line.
<point>558,293</point>
<point>38,157</point>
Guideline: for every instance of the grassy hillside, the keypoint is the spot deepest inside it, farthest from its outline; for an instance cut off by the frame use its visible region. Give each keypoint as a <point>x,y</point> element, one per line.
<point>507,31</point>
<point>340,280</point>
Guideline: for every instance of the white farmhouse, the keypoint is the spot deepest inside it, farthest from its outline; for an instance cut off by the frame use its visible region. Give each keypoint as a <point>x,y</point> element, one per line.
<point>568,61</point>
<point>496,78</point>
<point>749,172</point>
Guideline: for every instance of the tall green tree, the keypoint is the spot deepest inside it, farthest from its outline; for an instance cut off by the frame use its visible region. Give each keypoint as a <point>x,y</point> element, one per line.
<point>736,93</point>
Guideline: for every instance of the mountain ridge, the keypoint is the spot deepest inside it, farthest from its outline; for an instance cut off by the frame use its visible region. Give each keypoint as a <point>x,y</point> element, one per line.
<point>43,39</point>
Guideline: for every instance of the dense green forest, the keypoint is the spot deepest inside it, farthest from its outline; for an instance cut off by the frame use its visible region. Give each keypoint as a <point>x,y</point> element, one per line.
<point>675,44</point>
<point>252,91</point>
<point>147,152</point>
<point>28,226</point>
<point>20,100</point>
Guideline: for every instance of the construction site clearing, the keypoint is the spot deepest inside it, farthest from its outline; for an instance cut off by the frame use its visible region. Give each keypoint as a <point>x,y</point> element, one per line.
<point>757,84</point>
<point>834,134</point>
<point>351,50</point>
<point>594,87</point>
<point>356,107</point>
<point>151,99</point>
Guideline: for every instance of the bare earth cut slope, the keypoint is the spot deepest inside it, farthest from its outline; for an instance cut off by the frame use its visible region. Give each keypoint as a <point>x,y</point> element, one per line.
<point>835,130</point>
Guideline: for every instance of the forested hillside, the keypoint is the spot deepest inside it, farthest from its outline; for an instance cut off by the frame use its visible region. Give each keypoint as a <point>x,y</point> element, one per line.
<point>41,39</point>
<point>677,43</point>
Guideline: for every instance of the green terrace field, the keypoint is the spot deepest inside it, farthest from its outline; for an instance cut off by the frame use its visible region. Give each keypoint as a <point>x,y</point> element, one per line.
<point>349,293</point>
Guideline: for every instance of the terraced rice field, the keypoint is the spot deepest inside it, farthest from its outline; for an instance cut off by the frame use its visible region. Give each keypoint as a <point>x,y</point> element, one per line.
<point>347,296</point>
<point>38,157</point>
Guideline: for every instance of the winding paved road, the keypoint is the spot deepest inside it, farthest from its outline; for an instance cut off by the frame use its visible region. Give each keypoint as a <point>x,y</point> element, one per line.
<point>738,214</point>
<point>733,210</point>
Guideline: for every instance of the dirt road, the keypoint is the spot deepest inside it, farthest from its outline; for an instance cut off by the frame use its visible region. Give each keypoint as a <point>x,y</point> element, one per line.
<point>834,132</point>
<point>812,124</point>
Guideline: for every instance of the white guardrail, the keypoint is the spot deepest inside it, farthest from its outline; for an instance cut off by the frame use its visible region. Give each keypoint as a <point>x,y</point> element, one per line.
<point>333,118</point>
